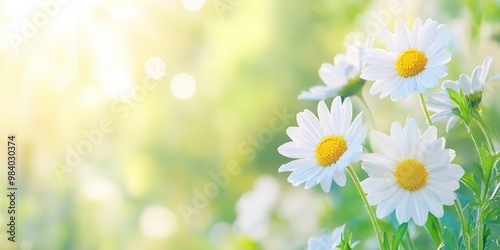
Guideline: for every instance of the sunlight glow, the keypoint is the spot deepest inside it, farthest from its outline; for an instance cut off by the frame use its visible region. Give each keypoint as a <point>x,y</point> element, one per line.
<point>193,5</point>
<point>117,83</point>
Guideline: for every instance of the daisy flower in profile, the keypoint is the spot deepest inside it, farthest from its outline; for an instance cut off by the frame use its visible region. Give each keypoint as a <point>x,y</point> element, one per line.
<point>342,77</point>
<point>410,172</point>
<point>323,147</point>
<point>413,62</point>
<point>472,87</point>
<point>326,241</point>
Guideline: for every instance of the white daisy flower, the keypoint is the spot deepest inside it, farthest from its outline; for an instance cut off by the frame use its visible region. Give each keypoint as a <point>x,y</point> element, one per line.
<point>326,241</point>
<point>414,62</point>
<point>472,87</point>
<point>411,173</point>
<point>342,77</point>
<point>323,147</point>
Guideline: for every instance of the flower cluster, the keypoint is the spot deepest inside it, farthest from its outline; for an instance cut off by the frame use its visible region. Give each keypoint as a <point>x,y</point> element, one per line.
<point>410,171</point>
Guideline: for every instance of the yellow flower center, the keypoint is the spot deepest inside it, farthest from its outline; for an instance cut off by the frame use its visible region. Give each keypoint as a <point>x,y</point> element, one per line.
<point>411,62</point>
<point>411,175</point>
<point>330,149</point>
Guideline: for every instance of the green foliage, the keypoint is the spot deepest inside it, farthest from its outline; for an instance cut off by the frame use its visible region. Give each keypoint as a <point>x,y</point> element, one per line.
<point>345,241</point>
<point>398,236</point>
<point>461,103</point>
<point>433,227</point>
<point>352,88</point>
<point>489,161</point>
<point>386,244</point>
<point>472,181</point>
<point>451,240</point>
<point>394,242</point>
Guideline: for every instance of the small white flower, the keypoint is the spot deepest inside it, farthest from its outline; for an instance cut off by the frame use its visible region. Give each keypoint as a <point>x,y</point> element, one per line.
<point>411,173</point>
<point>472,87</point>
<point>323,147</point>
<point>254,208</point>
<point>342,77</point>
<point>414,61</point>
<point>442,106</point>
<point>326,241</point>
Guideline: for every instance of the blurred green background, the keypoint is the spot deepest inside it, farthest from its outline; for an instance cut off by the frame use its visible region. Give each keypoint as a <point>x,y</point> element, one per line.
<point>154,124</point>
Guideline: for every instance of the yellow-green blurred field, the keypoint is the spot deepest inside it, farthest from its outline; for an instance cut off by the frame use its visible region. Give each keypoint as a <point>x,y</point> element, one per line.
<point>113,153</point>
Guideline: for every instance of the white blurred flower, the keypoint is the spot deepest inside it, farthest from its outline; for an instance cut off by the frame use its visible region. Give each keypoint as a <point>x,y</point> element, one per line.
<point>254,207</point>
<point>342,77</point>
<point>326,241</point>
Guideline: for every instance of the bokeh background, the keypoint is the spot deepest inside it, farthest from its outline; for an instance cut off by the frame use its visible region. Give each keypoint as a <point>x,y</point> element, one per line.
<point>177,108</point>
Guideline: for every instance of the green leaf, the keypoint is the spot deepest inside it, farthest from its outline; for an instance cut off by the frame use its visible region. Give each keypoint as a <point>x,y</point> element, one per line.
<point>496,178</point>
<point>398,236</point>
<point>454,97</point>
<point>450,239</point>
<point>345,239</point>
<point>469,181</point>
<point>432,226</point>
<point>386,244</point>
<point>489,161</point>
<point>473,204</point>
<point>492,212</point>
<point>460,101</point>
<point>487,233</point>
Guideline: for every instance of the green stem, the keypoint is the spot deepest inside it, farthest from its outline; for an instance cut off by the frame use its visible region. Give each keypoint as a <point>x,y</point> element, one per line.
<point>367,205</point>
<point>424,108</point>
<point>480,226</point>
<point>483,126</point>
<point>480,229</point>
<point>461,216</point>
<point>475,143</point>
<point>367,109</point>
<point>440,230</point>
<point>482,197</point>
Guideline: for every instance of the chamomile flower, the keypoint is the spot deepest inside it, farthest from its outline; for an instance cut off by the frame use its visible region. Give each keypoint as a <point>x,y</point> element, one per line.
<point>414,61</point>
<point>410,172</point>
<point>326,241</point>
<point>323,147</point>
<point>342,77</point>
<point>472,87</point>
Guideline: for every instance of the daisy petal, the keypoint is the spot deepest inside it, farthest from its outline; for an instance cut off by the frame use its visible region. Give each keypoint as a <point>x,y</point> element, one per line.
<point>294,150</point>
<point>293,165</point>
<point>302,174</point>
<point>325,118</point>
<point>402,33</point>
<point>339,178</point>
<point>385,145</point>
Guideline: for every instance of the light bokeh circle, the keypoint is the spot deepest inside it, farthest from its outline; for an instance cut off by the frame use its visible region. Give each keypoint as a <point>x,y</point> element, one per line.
<point>183,86</point>
<point>157,222</point>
